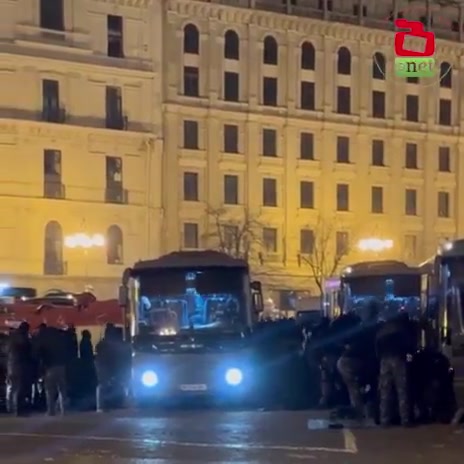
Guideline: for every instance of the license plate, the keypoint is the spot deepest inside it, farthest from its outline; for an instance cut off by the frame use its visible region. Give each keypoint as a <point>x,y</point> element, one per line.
<point>194,387</point>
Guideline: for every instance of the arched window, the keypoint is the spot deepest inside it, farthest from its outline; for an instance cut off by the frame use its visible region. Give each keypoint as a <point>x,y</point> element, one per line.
<point>378,66</point>
<point>53,249</point>
<point>114,245</point>
<point>270,50</point>
<point>344,61</point>
<point>308,56</point>
<point>231,45</point>
<point>446,75</point>
<point>191,39</point>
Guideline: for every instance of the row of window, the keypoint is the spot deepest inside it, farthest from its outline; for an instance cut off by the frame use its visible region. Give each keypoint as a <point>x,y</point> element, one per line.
<point>55,188</point>
<point>307,195</point>
<point>269,146</point>
<point>53,111</point>
<point>52,14</point>
<point>54,242</point>
<point>343,103</point>
<point>307,55</point>
<point>231,84</point>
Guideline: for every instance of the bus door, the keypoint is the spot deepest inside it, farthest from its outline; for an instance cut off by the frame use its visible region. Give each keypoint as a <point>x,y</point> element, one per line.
<point>425,310</point>
<point>456,332</point>
<point>451,322</point>
<point>331,298</point>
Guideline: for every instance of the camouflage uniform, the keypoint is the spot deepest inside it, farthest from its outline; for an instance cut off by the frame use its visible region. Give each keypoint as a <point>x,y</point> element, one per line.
<point>328,368</point>
<point>351,369</point>
<point>394,375</point>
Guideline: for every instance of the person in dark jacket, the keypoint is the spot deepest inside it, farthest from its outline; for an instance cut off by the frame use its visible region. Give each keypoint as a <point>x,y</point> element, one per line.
<point>19,364</point>
<point>106,363</point>
<point>395,345</point>
<point>87,382</point>
<point>73,345</point>
<point>73,377</point>
<point>53,354</point>
<point>86,347</point>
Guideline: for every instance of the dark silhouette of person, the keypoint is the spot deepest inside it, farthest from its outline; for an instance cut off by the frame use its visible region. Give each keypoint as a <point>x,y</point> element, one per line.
<point>19,367</point>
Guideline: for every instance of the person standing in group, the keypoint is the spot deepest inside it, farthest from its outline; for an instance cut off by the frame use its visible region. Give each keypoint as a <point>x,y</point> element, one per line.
<point>53,356</point>
<point>106,363</point>
<point>19,368</point>
<point>395,344</point>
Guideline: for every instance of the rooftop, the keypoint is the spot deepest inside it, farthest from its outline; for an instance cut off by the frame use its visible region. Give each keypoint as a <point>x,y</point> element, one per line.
<point>444,17</point>
<point>191,259</point>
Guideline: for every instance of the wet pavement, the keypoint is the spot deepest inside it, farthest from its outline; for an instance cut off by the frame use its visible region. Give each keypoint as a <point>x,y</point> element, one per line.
<point>226,437</point>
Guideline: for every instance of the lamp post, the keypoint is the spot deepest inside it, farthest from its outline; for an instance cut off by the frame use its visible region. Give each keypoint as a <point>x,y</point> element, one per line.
<point>85,242</point>
<point>375,245</point>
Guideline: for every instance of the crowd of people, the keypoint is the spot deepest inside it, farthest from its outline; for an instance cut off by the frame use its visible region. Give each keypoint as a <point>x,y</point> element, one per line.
<point>373,356</point>
<point>49,369</point>
<point>370,359</point>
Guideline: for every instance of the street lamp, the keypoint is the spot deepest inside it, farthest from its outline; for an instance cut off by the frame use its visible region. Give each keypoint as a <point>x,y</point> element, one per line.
<point>376,245</point>
<point>84,241</point>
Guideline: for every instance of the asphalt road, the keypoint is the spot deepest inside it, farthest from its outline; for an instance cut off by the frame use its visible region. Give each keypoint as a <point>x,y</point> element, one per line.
<point>181,437</point>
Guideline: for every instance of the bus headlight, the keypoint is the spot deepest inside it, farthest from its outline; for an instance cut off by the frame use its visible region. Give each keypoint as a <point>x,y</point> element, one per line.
<point>149,379</point>
<point>167,331</point>
<point>234,377</point>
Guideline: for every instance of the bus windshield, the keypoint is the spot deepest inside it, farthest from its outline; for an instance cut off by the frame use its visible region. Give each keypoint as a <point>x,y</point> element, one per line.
<point>175,300</point>
<point>399,286</point>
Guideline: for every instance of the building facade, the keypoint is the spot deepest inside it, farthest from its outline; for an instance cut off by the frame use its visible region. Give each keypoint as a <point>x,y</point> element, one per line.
<point>275,129</point>
<point>280,111</point>
<point>79,141</point>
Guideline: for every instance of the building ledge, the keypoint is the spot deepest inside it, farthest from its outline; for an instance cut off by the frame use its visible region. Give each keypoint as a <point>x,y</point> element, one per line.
<point>79,59</point>
<point>28,123</point>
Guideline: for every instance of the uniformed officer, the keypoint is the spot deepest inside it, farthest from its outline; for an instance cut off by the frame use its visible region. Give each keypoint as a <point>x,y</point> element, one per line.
<point>351,362</point>
<point>395,344</point>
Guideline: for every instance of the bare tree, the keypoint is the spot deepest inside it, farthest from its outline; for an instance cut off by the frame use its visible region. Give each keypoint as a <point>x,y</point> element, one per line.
<point>236,236</point>
<point>326,247</point>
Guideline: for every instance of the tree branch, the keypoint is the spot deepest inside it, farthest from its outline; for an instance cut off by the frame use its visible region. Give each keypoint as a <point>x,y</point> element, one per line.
<point>236,237</point>
<point>324,261</point>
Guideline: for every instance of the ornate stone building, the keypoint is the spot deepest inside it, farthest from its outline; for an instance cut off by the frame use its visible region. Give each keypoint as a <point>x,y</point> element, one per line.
<point>291,111</point>
<point>79,142</point>
<point>157,122</point>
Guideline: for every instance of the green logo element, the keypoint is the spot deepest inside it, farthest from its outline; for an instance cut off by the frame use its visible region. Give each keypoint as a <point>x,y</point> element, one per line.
<point>415,66</point>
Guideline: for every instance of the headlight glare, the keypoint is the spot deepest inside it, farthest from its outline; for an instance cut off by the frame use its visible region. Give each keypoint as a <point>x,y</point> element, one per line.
<point>167,331</point>
<point>149,379</point>
<point>234,376</point>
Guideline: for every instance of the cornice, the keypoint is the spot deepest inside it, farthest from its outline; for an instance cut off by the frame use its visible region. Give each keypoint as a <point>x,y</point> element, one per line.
<point>121,140</point>
<point>127,3</point>
<point>65,132</point>
<point>304,26</point>
<point>8,128</point>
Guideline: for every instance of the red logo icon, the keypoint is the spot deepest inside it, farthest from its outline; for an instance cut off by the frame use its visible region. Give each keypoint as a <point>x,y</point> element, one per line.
<point>414,29</point>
